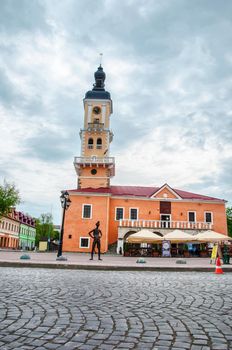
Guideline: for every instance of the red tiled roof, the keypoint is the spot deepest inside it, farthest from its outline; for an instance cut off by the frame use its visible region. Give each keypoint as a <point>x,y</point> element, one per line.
<point>92,190</point>
<point>139,191</point>
<point>133,191</point>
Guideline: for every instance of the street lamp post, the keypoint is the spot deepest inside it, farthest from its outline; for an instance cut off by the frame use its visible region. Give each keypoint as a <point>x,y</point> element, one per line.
<point>65,203</point>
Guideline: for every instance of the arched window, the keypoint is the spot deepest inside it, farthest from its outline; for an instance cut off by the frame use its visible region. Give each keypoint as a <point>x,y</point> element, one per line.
<point>90,143</point>
<point>99,143</point>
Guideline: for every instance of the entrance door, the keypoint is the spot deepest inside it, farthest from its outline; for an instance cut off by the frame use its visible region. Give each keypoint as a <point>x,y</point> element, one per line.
<point>165,220</point>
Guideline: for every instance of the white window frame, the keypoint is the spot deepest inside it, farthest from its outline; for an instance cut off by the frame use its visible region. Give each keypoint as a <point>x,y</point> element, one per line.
<point>80,246</point>
<point>91,211</point>
<point>137,213</point>
<point>170,217</point>
<point>208,212</point>
<point>166,223</point>
<point>115,216</point>
<point>195,216</point>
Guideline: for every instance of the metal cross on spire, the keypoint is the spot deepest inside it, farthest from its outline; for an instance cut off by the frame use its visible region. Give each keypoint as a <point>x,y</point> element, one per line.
<point>101,54</point>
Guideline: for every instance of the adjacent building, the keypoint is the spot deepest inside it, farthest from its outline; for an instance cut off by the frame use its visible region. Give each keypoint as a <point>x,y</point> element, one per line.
<point>17,231</point>
<point>9,230</point>
<point>27,232</point>
<point>122,210</point>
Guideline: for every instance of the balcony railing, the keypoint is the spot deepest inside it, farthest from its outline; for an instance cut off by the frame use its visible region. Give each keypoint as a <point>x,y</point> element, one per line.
<point>96,126</point>
<point>158,224</point>
<point>94,160</point>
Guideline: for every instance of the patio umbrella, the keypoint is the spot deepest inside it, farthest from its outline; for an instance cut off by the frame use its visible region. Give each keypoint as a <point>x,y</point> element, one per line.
<point>144,236</point>
<point>178,236</point>
<point>211,236</point>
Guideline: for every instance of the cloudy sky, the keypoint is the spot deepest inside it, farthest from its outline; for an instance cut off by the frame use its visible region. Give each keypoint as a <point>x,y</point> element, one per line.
<point>168,65</point>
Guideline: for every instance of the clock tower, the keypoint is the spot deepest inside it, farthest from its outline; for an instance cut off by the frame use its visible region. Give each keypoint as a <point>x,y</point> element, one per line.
<point>95,167</point>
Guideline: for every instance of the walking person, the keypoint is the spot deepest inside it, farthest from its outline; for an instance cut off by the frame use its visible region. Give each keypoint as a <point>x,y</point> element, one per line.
<point>96,234</point>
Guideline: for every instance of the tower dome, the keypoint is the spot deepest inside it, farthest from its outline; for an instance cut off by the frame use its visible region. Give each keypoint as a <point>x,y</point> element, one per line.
<point>98,91</point>
<point>99,76</point>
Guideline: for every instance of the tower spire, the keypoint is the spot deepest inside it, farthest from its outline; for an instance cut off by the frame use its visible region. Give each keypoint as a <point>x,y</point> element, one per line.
<point>100,54</point>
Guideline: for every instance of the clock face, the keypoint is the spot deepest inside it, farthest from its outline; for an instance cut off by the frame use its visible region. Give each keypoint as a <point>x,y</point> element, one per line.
<point>96,110</point>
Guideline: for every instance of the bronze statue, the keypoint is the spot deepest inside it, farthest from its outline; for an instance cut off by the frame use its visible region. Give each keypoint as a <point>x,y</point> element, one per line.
<point>96,234</point>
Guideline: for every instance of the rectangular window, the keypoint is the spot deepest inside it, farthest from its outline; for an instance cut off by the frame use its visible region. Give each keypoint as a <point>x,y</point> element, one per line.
<point>86,211</point>
<point>165,207</point>
<point>208,217</point>
<point>119,213</point>
<point>133,214</point>
<point>84,242</point>
<point>191,216</point>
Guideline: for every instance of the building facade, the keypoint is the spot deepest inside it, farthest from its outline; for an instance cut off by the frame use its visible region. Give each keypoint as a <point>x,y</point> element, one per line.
<point>27,232</point>
<point>123,210</point>
<point>9,230</point>
<point>17,231</point>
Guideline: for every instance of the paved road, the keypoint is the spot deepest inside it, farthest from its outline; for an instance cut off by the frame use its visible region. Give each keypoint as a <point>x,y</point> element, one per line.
<point>70,309</point>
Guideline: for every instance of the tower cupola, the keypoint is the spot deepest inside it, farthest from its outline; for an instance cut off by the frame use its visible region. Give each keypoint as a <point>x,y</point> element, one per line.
<point>98,91</point>
<point>99,76</point>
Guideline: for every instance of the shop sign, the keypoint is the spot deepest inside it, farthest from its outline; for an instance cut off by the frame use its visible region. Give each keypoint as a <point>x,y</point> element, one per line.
<point>214,254</point>
<point>166,248</point>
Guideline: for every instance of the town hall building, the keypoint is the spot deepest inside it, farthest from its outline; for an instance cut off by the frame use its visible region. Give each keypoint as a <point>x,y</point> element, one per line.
<point>123,210</point>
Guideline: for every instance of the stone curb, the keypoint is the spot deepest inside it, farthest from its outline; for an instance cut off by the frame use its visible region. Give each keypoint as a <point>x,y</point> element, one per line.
<point>110,268</point>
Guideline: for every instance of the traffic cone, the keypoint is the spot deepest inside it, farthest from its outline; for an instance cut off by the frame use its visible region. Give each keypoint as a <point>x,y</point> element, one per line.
<point>218,267</point>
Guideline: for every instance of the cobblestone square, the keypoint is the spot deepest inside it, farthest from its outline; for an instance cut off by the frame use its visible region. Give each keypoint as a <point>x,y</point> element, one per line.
<point>71,309</point>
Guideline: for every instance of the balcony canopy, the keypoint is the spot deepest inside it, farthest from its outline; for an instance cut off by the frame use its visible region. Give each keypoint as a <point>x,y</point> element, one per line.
<point>144,236</point>
<point>212,236</point>
<point>178,236</point>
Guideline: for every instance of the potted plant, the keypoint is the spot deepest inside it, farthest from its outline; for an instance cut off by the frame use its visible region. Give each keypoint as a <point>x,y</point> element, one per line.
<point>186,251</point>
<point>126,249</point>
<point>203,251</point>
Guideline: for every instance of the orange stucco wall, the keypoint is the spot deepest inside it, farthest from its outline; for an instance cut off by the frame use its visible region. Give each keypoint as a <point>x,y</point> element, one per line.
<point>98,152</point>
<point>147,210</point>
<point>101,179</point>
<point>180,212</point>
<point>103,209</point>
<point>101,171</point>
<point>78,227</point>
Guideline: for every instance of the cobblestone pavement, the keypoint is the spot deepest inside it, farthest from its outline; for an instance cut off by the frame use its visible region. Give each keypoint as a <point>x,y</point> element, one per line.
<point>70,309</point>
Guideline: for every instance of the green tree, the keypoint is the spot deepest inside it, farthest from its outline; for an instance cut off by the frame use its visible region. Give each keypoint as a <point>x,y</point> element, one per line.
<point>44,228</point>
<point>229,220</point>
<point>9,198</point>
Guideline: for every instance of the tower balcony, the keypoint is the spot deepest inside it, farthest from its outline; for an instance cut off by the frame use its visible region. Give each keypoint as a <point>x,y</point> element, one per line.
<point>94,161</point>
<point>96,126</point>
